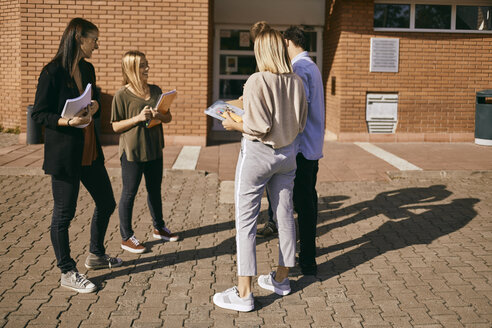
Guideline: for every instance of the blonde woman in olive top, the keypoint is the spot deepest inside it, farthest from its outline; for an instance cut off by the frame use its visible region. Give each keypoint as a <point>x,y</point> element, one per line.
<point>140,148</point>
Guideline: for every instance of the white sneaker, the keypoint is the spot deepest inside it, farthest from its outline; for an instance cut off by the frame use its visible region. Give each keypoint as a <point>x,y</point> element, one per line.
<point>77,281</point>
<point>268,282</point>
<point>229,299</point>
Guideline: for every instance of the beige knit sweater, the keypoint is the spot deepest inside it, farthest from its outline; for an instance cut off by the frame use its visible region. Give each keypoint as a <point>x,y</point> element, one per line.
<point>275,108</point>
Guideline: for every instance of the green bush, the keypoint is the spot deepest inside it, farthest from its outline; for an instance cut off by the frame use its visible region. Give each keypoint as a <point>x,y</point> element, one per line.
<point>15,130</point>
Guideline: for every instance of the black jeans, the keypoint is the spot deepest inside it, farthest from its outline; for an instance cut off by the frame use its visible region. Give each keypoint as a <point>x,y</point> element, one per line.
<point>306,206</point>
<point>65,193</point>
<point>131,173</point>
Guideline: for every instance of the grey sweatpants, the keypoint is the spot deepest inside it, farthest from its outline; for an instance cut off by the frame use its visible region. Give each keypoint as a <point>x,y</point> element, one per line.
<point>258,166</point>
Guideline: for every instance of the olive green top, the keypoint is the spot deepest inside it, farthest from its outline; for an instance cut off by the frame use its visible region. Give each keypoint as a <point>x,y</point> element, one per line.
<point>139,143</point>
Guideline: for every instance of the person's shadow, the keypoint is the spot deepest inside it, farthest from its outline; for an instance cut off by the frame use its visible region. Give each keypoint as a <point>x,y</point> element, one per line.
<point>227,246</point>
<point>405,227</point>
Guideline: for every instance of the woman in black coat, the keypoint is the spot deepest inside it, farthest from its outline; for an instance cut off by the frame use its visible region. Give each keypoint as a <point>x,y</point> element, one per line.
<point>72,152</point>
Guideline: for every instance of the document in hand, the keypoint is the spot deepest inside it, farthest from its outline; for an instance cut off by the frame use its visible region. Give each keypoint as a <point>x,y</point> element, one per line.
<point>73,106</point>
<point>219,107</point>
<point>163,104</point>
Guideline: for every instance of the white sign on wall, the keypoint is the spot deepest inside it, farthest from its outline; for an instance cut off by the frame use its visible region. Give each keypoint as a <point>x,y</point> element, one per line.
<point>384,55</point>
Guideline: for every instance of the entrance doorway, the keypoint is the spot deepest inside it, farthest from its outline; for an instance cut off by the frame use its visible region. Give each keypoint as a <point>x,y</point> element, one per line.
<point>234,62</point>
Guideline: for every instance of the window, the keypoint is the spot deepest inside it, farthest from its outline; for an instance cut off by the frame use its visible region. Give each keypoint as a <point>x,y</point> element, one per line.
<point>466,16</point>
<point>391,15</point>
<point>433,17</point>
<point>234,59</point>
<point>474,18</point>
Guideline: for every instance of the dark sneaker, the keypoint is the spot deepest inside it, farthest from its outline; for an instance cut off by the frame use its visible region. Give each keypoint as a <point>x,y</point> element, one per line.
<point>309,270</point>
<point>268,230</point>
<point>102,262</point>
<point>133,245</point>
<point>230,300</point>
<point>77,281</point>
<point>165,234</point>
<point>269,283</point>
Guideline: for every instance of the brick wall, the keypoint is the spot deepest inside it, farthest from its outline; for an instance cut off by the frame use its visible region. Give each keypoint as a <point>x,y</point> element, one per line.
<point>439,74</point>
<point>332,65</point>
<point>173,34</point>
<point>10,64</point>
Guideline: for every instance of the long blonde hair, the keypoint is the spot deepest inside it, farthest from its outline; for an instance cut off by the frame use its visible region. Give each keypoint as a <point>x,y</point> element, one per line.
<point>271,52</point>
<point>258,27</point>
<point>130,65</point>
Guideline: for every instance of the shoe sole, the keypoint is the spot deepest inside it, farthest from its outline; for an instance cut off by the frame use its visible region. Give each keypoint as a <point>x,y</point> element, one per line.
<point>228,306</point>
<point>165,238</point>
<point>105,266</point>
<point>274,289</point>
<point>82,291</point>
<point>133,250</point>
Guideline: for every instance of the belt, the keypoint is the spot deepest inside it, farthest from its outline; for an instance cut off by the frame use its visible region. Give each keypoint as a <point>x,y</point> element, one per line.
<point>256,140</point>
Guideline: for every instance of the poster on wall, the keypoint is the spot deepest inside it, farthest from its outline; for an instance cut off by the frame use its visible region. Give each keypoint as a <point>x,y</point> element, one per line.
<point>244,39</point>
<point>384,55</point>
<point>231,64</point>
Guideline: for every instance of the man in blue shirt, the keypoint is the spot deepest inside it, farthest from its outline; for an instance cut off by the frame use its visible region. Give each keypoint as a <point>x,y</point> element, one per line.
<point>310,151</point>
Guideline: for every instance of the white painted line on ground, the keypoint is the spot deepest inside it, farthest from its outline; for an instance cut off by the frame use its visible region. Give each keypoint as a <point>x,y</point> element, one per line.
<point>394,160</point>
<point>187,158</point>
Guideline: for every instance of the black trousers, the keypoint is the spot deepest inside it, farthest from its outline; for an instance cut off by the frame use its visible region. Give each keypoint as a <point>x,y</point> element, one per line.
<point>65,193</point>
<point>131,173</point>
<point>306,206</point>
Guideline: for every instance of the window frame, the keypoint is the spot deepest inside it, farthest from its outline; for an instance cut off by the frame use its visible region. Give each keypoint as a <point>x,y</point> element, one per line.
<point>217,52</point>
<point>412,3</point>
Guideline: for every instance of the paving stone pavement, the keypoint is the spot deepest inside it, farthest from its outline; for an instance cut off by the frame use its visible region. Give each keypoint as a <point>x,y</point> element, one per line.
<point>8,139</point>
<point>409,252</point>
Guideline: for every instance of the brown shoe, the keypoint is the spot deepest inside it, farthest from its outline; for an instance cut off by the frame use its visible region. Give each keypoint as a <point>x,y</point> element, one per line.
<point>133,245</point>
<point>165,234</point>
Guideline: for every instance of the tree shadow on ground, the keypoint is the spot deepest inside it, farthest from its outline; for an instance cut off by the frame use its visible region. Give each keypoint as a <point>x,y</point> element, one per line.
<point>405,228</point>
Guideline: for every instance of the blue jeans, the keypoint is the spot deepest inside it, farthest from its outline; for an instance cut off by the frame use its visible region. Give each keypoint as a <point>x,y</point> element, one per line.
<point>131,173</point>
<point>65,193</point>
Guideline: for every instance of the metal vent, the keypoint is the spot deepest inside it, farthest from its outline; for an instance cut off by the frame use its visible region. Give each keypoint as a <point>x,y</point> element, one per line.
<point>382,113</point>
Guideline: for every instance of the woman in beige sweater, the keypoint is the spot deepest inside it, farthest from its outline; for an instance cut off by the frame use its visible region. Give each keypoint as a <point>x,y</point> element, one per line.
<point>275,112</point>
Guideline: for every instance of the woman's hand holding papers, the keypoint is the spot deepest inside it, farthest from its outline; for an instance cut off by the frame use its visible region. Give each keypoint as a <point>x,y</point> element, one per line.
<point>230,124</point>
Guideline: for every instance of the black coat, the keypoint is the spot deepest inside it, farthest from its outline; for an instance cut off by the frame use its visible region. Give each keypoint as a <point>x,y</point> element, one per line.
<point>63,145</point>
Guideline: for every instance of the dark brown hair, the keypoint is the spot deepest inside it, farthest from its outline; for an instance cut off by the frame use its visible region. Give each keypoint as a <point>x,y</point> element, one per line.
<point>69,48</point>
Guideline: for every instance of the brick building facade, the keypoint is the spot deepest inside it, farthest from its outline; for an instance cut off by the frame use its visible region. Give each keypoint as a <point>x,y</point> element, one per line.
<point>438,74</point>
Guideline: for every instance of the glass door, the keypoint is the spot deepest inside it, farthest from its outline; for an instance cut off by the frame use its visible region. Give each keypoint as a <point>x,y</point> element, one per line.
<point>234,62</point>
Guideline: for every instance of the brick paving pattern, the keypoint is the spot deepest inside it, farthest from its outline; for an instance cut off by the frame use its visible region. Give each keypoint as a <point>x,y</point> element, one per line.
<point>8,139</point>
<point>410,252</point>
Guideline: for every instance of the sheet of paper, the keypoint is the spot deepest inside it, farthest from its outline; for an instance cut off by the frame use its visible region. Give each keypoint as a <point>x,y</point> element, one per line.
<point>219,107</point>
<point>73,106</point>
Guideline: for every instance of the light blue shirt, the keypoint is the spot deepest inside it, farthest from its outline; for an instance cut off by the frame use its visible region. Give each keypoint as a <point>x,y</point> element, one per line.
<point>311,139</point>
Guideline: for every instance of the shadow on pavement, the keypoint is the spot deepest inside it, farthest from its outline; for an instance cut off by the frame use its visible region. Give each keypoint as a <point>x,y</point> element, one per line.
<point>405,228</point>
